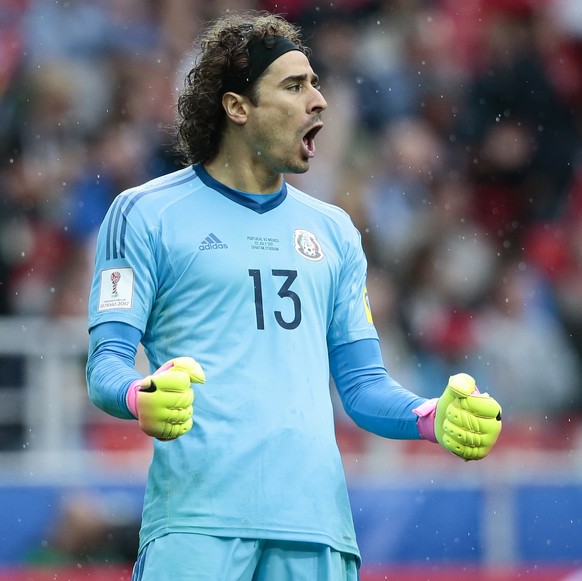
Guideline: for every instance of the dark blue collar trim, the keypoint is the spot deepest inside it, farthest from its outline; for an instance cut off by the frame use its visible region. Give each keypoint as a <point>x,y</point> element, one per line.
<point>239,197</point>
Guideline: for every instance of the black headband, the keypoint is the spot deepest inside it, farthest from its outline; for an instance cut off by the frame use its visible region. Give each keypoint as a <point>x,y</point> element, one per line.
<point>262,52</point>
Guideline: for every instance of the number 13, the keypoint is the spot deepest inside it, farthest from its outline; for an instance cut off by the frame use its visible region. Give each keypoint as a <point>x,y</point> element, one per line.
<point>284,292</point>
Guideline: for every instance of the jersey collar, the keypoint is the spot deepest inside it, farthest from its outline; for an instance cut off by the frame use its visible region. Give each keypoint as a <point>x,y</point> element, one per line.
<point>240,197</point>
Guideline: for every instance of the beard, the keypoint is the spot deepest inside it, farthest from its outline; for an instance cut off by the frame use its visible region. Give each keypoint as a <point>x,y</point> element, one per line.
<point>280,157</point>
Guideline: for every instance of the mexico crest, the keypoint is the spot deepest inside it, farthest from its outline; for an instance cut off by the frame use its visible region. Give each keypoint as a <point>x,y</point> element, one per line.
<point>307,245</point>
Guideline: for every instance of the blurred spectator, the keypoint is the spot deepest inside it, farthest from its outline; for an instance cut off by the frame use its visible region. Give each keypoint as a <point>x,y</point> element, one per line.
<point>87,532</point>
<point>518,128</point>
<point>385,300</point>
<point>388,84</point>
<point>556,250</point>
<point>333,35</point>
<point>397,196</point>
<point>528,359</point>
<point>448,278</point>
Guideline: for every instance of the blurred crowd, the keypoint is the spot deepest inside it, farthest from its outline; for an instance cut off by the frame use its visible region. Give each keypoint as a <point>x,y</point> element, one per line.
<point>453,137</point>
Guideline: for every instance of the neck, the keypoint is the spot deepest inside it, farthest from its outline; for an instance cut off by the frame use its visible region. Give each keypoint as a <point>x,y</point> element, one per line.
<point>243,175</point>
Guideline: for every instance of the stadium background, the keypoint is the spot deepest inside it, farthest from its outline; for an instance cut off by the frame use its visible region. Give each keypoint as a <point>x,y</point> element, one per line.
<point>453,137</point>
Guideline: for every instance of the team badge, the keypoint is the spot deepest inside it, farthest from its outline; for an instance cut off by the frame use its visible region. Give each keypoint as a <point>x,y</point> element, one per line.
<point>307,245</point>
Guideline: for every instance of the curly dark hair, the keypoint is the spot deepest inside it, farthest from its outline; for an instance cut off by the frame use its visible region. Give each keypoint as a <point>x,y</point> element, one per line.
<point>223,54</point>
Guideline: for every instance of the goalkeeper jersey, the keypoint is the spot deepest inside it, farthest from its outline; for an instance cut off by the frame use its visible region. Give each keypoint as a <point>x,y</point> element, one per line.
<point>258,294</point>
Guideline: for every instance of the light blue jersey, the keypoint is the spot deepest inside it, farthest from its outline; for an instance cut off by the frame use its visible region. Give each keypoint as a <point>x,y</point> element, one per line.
<point>258,294</point>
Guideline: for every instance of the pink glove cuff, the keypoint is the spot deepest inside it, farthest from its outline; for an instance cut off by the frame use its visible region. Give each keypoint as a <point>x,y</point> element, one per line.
<point>134,387</point>
<point>426,413</point>
<point>131,396</point>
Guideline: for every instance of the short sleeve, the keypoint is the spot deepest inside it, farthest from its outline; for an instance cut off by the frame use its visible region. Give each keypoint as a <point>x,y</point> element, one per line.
<point>125,276</point>
<point>352,317</point>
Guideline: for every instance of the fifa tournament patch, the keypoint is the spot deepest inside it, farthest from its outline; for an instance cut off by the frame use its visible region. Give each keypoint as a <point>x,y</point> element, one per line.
<point>367,307</point>
<point>116,291</point>
<point>307,245</point>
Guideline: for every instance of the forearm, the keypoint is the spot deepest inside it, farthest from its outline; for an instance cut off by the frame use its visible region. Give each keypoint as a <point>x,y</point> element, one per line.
<point>375,401</point>
<point>110,366</point>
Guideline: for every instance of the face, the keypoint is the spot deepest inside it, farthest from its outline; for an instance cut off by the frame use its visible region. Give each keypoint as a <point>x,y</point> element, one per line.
<point>283,125</point>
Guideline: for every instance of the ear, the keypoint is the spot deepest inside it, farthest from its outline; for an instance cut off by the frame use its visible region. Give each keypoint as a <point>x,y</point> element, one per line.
<point>236,107</point>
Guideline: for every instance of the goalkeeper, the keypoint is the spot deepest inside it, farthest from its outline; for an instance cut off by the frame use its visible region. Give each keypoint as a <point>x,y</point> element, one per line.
<point>246,294</point>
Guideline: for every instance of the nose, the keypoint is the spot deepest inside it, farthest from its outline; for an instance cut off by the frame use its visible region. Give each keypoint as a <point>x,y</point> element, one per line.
<point>318,102</point>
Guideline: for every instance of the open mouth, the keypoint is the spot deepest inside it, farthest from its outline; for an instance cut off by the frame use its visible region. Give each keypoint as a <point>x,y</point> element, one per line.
<point>309,140</point>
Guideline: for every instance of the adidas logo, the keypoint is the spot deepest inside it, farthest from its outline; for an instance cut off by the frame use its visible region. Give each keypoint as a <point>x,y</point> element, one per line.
<point>211,242</point>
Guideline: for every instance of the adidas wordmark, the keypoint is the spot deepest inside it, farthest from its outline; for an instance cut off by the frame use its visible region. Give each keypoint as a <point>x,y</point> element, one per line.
<point>212,242</point>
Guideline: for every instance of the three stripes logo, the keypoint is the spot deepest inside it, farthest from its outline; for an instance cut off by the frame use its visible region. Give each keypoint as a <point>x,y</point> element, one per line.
<point>212,242</point>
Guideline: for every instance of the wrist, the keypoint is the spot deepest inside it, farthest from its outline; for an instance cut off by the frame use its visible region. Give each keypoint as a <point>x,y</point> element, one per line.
<point>131,397</point>
<point>426,417</point>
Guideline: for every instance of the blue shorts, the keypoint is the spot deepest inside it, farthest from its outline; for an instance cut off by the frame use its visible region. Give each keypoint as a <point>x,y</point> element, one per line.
<point>196,557</point>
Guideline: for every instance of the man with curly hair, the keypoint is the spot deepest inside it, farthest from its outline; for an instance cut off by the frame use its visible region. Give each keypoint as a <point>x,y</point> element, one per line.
<point>232,278</point>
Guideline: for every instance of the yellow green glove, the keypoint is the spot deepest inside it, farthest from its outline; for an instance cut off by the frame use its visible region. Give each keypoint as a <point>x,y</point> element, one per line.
<point>463,420</point>
<point>162,402</point>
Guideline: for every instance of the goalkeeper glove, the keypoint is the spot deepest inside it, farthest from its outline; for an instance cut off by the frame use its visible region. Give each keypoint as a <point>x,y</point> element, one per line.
<point>463,420</point>
<point>162,402</point>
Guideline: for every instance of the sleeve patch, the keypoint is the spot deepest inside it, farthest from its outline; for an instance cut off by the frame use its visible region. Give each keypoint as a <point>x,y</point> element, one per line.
<point>366,300</point>
<point>116,289</point>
